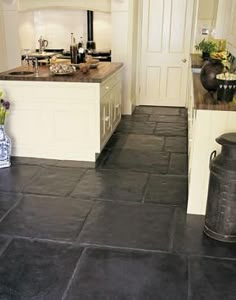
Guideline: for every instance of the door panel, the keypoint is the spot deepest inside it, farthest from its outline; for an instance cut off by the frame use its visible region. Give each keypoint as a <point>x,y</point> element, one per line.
<point>155,23</point>
<point>166,30</point>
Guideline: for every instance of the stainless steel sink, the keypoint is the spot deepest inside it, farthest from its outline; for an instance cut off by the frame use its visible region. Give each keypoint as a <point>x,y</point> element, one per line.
<point>21,73</point>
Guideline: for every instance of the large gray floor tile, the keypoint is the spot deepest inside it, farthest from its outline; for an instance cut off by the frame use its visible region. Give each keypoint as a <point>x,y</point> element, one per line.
<point>111,185</point>
<point>129,126</point>
<point>36,270</point>
<point>116,275</point>
<point>212,279</point>
<point>54,181</point>
<point>129,225</point>
<point>136,117</point>
<point>178,164</point>
<point>154,110</point>
<point>16,177</point>
<point>171,129</point>
<point>46,218</point>
<point>138,160</point>
<point>7,201</point>
<point>176,144</point>
<point>168,119</point>
<point>190,239</point>
<point>167,189</point>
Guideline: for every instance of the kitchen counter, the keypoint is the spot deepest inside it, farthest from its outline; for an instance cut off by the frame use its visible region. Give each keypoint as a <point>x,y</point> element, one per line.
<point>96,75</point>
<point>206,100</point>
<point>207,120</point>
<point>202,98</point>
<point>66,117</point>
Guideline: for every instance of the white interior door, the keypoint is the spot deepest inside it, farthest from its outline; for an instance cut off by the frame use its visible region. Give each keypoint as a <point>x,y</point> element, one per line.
<point>166,35</point>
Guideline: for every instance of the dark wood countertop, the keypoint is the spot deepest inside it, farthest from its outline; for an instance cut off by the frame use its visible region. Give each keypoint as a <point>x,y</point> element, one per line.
<point>202,98</point>
<point>97,75</point>
<point>205,100</point>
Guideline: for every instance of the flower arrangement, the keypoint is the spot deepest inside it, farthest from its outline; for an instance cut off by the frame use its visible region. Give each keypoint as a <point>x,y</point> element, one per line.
<point>4,107</point>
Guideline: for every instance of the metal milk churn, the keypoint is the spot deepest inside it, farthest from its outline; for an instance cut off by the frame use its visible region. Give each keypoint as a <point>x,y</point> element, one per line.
<point>220,219</point>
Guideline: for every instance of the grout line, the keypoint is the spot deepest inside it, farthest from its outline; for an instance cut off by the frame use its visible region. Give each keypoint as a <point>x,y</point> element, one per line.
<point>146,188</point>
<point>126,249</point>
<point>189,293</point>
<point>65,294</point>
<point>11,208</point>
<point>84,221</point>
<point>173,230</point>
<point>6,246</point>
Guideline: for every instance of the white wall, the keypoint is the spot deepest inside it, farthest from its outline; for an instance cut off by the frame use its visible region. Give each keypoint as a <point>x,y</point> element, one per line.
<point>56,25</point>
<point>207,11</point>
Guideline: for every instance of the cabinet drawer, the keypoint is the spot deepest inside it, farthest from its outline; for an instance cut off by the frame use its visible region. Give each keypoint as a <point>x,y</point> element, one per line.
<point>107,85</point>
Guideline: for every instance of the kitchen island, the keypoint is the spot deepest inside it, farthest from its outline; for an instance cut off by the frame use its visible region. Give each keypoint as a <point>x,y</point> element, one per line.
<point>65,117</point>
<point>208,118</point>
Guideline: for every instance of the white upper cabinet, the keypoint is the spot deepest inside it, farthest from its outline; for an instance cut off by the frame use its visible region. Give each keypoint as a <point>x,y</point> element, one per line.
<point>101,5</point>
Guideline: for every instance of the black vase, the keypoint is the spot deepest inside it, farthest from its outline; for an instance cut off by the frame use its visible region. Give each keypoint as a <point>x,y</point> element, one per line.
<point>208,74</point>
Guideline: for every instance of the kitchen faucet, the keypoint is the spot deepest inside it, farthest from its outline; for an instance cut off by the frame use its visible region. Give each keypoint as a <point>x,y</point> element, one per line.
<point>34,62</point>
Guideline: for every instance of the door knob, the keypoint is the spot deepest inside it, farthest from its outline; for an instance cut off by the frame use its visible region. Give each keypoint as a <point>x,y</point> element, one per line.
<point>184,60</point>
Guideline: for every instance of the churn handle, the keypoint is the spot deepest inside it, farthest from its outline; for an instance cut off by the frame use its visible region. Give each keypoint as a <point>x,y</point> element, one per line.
<point>212,156</point>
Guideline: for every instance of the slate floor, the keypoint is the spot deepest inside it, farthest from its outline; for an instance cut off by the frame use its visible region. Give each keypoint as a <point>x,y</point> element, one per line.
<point>117,232</point>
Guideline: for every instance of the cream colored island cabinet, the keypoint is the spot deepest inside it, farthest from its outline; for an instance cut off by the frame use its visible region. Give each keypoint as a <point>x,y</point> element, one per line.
<point>207,119</point>
<point>65,119</point>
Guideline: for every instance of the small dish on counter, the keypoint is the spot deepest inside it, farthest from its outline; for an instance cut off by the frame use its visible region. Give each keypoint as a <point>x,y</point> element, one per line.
<point>62,69</point>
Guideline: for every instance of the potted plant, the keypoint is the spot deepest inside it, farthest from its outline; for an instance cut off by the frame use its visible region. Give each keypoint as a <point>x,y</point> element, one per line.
<point>207,47</point>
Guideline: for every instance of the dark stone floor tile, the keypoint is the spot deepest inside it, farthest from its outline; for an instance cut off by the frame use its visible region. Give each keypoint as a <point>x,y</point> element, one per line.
<point>171,129</point>
<point>116,275</point>
<point>111,185</point>
<point>136,117</point>
<point>17,160</point>
<point>167,189</point>
<point>157,110</point>
<point>176,144</point>
<point>168,119</point>
<point>142,142</point>
<point>46,218</point>
<point>136,160</point>
<point>178,164</point>
<point>7,201</point>
<point>16,177</point>
<point>183,111</point>
<point>128,225</point>
<point>212,279</point>
<point>36,270</point>
<point>129,126</point>
<point>190,239</point>
<point>75,164</point>
<point>54,181</point>
<point>3,244</point>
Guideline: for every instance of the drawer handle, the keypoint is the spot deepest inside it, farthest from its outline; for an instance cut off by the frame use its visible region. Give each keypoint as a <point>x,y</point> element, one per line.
<point>107,119</point>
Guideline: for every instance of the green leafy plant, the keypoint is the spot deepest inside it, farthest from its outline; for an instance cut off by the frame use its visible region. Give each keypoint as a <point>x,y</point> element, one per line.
<point>4,107</point>
<point>207,46</point>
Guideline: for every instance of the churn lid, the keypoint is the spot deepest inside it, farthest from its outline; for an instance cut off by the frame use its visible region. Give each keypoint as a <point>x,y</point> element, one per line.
<point>227,139</point>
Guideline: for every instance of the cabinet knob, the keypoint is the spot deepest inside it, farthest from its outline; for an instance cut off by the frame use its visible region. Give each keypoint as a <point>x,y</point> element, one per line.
<point>117,106</point>
<point>107,87</point>
<point>107,119</point>
<point>184,60</point>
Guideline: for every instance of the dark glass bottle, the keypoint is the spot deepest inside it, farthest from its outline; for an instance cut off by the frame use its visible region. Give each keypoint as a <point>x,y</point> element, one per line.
<point>73,50</point>
<point>81,52</point>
